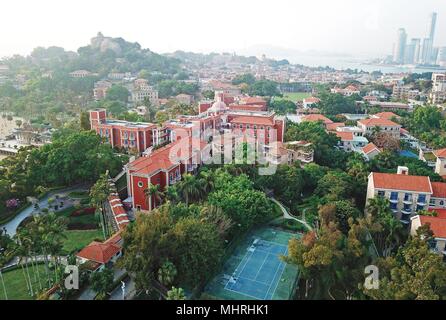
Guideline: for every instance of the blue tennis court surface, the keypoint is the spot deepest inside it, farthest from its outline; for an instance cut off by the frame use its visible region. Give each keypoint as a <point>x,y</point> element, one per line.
<point>260,270</point>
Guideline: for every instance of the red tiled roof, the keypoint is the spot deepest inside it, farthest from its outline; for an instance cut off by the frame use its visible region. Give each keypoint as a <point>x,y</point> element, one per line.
<point>266,121</point>
<point>440,153</point>
<point>372,122</point>
<point>312,100</point>
<point>351,88</point>
<point>393,181</point>
<point>161,158</point>
<point>333,126</point>
<point>437,225</point>
<point>345,136</point>
<point>438,189</point>
<point>441,213</point>
<point>316,117</point>
<point>369,148</point>
<point>386,115</point>
<point>99,252</point>
<point>253,100</point>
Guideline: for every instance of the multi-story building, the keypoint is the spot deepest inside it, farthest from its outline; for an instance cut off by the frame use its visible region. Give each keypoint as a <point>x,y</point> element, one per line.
<point>390,106</point>
<point>310,102</point>
<point>369,126</point>
<point>437,225</point>
<point>348,91</point>
<point>402,92</point>
<point>290,152</point>
<point>438,93</point>
<point>400,47</point>
<point>185,99</point>
<point>316,118</point>
<point>407,194</point>
<point>222,87</point>
<point>129,135</point>
<point>80,74</point>
<point>139,93</point>
<point>349,142</point>
<point>440,162</point>
<point>163,167</point>
<point>100,89</point>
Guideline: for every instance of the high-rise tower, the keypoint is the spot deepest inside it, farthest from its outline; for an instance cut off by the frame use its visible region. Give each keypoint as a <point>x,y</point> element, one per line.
<point>400,47</point>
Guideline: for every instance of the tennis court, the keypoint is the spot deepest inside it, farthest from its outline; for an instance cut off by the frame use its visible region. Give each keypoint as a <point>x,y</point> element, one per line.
<point>259,272</point>
<point>255,270</point>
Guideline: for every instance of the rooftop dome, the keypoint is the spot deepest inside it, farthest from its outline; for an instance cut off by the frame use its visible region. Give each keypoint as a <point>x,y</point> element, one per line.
<point>218,106</point>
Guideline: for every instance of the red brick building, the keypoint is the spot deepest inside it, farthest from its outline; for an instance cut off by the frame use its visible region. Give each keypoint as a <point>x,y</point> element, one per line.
<point>128,135</point>
<point>163,167</point>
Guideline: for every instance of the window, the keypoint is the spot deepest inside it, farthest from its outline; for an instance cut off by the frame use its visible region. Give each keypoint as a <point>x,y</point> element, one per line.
<point>441,203</point>
<point>140,184</point>
<point>394,206</point>
<point>381,193</point>
<point>394,196</point>
<point>422,198</point>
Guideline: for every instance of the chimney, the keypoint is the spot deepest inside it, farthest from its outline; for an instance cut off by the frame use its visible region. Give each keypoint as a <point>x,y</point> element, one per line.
<point>403,170</point>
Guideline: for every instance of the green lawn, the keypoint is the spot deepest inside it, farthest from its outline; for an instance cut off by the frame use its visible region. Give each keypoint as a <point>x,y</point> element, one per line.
<point>16,286</point>
<point>78,239</point>
<point>85,219</point>
<point>296,96</point>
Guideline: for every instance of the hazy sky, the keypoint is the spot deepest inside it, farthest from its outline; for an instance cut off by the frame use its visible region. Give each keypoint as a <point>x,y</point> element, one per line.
<point>351,26</point>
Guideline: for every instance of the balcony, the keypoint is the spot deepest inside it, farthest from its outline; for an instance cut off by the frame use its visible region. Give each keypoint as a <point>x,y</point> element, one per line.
<point>405,221</point>
<point>407,211</point>
<point>393,199</point>
<point>421,202</point>
<point>407,200</point>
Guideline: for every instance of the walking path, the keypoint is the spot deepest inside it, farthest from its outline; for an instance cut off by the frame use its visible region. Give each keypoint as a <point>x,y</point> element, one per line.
<point>90,294</point>
<point>288,216</point>
<point>130,291</point>
<point>11,226</point>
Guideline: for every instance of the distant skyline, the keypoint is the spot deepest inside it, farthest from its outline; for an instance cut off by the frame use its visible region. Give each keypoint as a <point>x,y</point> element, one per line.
<point>361,28</point>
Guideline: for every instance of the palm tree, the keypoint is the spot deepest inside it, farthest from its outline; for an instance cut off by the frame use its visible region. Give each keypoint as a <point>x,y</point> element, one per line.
<point>189,188</point>
<point>378,206</point>
<point>167,273</point>
<point>20,251</point>
<point>176,294</point>
<point>153,192</point>
<point>172,194</point>
<point>98,195</point>
<point>3,283</point>
<point>391,231</point>
<point>215,216</point>
<point>206,179</point>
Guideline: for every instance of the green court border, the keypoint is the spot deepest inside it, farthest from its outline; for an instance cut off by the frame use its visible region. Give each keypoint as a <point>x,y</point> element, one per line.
<point>288,281</point>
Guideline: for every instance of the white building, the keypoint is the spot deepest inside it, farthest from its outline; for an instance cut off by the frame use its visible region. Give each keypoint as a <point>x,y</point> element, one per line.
<point>369,126</point>
<point>438,93</point>
<point>407,194</point>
